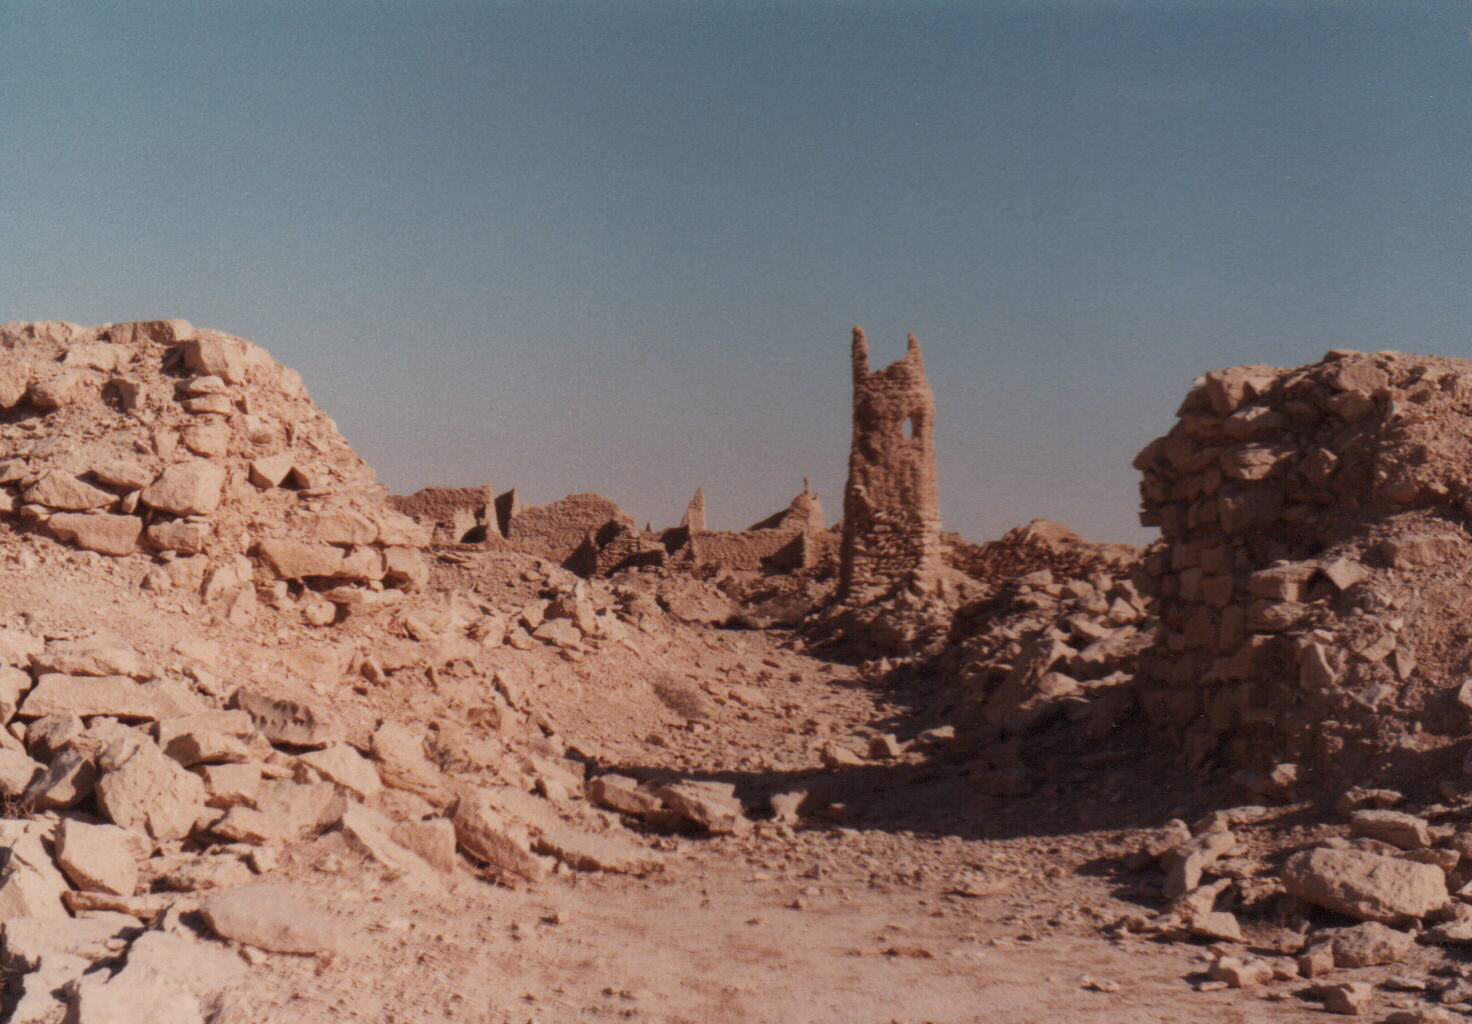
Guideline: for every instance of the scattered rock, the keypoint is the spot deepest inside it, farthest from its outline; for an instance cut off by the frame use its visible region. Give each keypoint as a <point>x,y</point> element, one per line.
<point>1365,885</point>
<point>97,858</point>
<point>273,916</point>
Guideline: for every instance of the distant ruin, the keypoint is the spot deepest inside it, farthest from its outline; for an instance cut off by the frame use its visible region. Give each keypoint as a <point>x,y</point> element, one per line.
<point>891,519</point>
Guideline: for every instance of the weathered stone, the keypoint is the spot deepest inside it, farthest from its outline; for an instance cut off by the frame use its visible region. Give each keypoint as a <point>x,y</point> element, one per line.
<point>1365,885</point>
<point>891,518</point>
<point>97,858</point>
<point>1185,863</point>
<point>205,745</point>
<point>30,885</point>
<point>1359,798</point>
<point>17,771</point>
<point>296,559</point>
<point>115,696</point>
<point>371,834</point>
<point>403,764</point>
<point>271,470</point>
<point>106,534</point>
<point>1238,973</point>
<point>151,792</point>
<point>25,941</point>
<point>1370,945</point>
<point>274,916</point>
<point>217,357</point>
<point>433,840</point>
<point>344,766</point>
<point>179,535</point>
<point>1394,827</point>
<point>91,656</point>
<point>1349,998</point>
<point>622,794</point>
<point>710,805</point>
<point>229,784</point>
<point>64,491</point>
<point>209,439</point>
<point>584,851</point>
<point>286,722</point>
<point>187,489</point>
<point>1411,552</point>
<point>283,812</point>
<point>68,780</point>
<point>487,835</point>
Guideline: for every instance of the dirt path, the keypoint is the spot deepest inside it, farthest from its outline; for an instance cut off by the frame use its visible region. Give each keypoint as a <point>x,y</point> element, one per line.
<point>927,903</point>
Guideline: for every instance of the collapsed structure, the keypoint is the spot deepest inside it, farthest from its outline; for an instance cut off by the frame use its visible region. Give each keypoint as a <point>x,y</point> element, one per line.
<point>891,517</point>
<point>1314,563</point>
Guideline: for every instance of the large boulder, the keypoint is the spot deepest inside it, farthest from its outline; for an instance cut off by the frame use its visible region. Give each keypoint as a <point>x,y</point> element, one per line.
<point>1365,885</point>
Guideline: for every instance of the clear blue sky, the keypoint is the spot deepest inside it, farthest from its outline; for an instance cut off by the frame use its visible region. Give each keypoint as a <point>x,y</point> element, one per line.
<point>618,246</point>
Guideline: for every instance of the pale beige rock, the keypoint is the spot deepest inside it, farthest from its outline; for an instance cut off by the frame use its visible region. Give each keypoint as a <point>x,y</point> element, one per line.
<point>286,722</point>
<point>487,835</point>
<point>1365,885</point>
<point>15,683</point>
<point>25,941</point>
<point>15,379</point>
<point>18,647</point>
<point>97,858</point>
<point>433,840</point>
<point>622,794</point>
<point>1370,945</point>
<point>187,489</point>
<point>295,559</point>
<point>283,812</point>
<point>151,792</point>
<point>229,784</point>
<point>271,470</point>
<point>371,833</point>
<point>116,696</point>
<point>585,851</point>
<point>17,771</point>
<point>1350,998</point>
<point>1238,973</point>
<point>1394,827</point>
<point>68,780</point>
<point>124,474</point>
<point>158,332</point>
<point>209,439</point>
<point>30,886</point>
<point>64,491</point>
<point>344,766</point>
<point>99,655</point>
<point>200,746</point>
<point>106,534</point>
<point>217,357</point>
<point>403,764</point>
<point>57,390</point>
<point>1185,863</point>
<point>404,567</point>
<point>274,916</point>
<point>710,805</point>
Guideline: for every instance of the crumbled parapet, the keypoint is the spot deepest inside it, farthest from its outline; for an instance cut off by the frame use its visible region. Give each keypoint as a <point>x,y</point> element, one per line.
<point>1312,550</point>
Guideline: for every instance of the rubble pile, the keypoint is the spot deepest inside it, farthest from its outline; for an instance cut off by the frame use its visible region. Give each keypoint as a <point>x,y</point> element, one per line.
<point>1041,646</point>
<point>196,450</point>
<point>1313,565</point>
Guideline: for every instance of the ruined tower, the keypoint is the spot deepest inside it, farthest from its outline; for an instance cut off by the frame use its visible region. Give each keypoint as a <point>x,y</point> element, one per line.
<point>694,519</point>
<point>891,522</point>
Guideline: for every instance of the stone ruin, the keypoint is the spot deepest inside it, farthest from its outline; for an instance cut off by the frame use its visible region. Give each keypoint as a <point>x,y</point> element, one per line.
<point>198,449</point>
<point>1315,565</point>
<point>891,519</point>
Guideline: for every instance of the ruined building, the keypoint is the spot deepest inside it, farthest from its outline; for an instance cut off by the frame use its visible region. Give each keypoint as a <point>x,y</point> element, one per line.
<point>891,522</point>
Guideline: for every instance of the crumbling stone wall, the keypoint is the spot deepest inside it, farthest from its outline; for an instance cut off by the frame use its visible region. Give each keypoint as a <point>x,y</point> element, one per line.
<point>1314,562</point>
<point>782,542</point>
<point>891,519</point>
<point>459,515</point>
<point>560,531</point>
